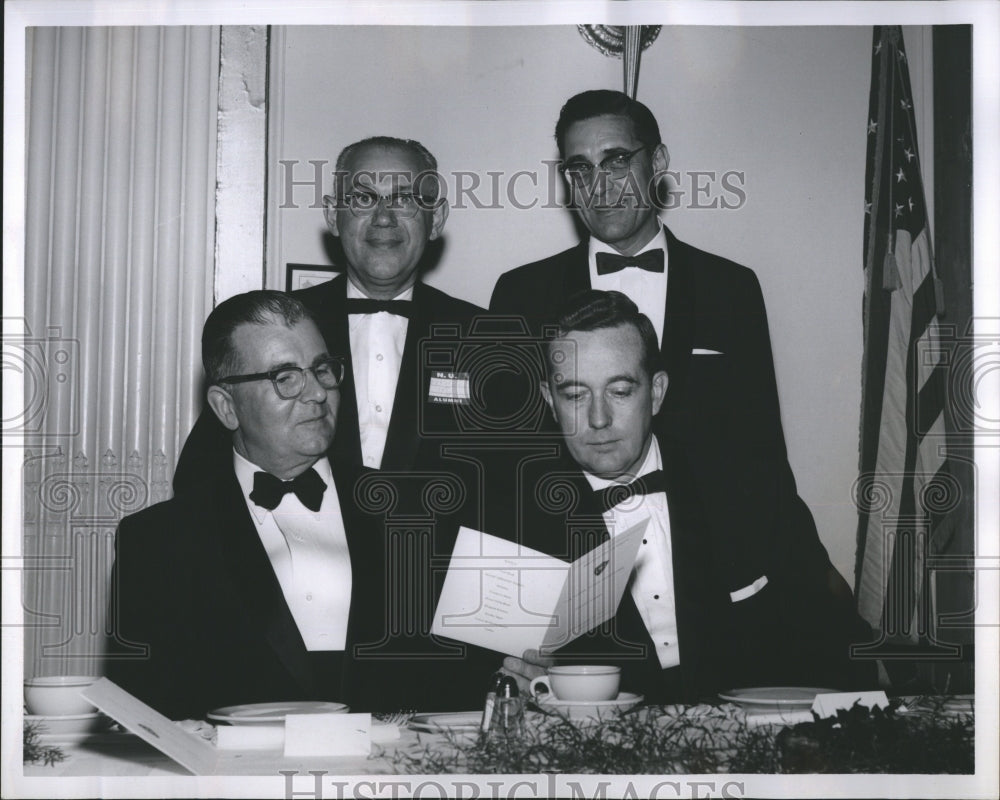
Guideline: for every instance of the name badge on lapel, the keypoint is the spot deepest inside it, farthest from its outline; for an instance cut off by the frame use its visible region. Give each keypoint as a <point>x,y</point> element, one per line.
<point>449,387</point>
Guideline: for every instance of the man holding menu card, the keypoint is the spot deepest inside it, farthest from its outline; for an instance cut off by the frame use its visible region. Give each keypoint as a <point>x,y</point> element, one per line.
<point>731,586</point>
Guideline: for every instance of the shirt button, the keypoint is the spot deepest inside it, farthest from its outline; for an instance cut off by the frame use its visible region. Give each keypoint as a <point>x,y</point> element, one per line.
<point>656,597</point>
<point>378,408</point>
<point>378,357</point>
<point>644,541</point>
<point>309,596</point>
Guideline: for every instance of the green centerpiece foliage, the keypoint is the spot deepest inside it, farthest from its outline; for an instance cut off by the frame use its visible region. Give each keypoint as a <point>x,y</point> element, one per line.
<point>705,740</point>
<point>35,751</point>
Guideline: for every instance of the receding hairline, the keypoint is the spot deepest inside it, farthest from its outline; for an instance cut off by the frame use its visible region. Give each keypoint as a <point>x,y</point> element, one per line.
<point>275,320</point>
<point>424,157</point>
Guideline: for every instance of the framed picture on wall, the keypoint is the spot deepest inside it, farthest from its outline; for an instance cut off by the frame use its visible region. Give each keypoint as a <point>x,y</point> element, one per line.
<point>302,276</point>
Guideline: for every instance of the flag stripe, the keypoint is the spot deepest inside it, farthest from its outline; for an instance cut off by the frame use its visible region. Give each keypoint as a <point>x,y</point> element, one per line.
<point>929,400</point>
<point>903,378</point>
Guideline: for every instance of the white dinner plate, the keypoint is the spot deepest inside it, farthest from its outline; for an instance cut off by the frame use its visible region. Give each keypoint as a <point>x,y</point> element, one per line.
<point>774,698</point>
<point>457,722</point>
<point>271,713</point>
<point>591,709</point>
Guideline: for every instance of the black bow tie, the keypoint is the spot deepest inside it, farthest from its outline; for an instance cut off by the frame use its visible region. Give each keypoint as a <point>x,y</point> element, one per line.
<point>650,483</point>
<point>268,490</point>
<point>365,305</point>
<point>651,261</point>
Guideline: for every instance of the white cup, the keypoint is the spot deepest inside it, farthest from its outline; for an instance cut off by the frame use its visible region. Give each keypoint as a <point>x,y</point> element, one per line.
<point>58,695</point>
<point>580,683</point>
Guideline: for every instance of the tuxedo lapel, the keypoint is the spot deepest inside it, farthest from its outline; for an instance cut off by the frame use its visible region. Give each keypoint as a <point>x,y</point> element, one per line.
<point>403,437</point>
<point>241,555</point>
<point>680,311</point>
<point>695,588</point>
<point>576,276</point>
<point>330,309</point>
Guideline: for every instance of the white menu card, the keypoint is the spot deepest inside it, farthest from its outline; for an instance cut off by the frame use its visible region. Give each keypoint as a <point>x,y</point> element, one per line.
<point>503,596</point>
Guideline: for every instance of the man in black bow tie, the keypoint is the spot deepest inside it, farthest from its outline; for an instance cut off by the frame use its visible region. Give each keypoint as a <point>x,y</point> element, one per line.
<point>384,208</point>
<point>248,587</point>
<point>731,586</point>
<point>400,410</point>
<point>707,312</point>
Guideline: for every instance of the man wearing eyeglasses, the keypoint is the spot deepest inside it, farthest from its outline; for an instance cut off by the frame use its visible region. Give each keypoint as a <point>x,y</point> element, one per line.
<point>384,209</point>
<point>249,586</point>
<point>398,413</point>
<point>708,312</point>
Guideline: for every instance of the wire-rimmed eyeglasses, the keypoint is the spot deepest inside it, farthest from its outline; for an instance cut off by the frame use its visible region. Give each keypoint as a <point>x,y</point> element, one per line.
<point>290,382</point>
<point>615,165</point>
<point>403,204</point>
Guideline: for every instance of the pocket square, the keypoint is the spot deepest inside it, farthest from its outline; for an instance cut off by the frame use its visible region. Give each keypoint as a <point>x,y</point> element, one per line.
<point>749,591</point>
<point>701,351</point>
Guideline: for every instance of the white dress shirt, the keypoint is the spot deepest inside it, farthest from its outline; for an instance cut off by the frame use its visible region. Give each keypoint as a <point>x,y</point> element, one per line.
<point>648,290</point>
<point>376,353</point>
<point>652,582</point>
<point>309,555</point>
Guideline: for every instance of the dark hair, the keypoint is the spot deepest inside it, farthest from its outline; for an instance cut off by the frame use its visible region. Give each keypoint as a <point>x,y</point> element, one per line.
<point>428,164</point>
<point>598,102</point>
<point>592,310</point>
<point>260,307</point>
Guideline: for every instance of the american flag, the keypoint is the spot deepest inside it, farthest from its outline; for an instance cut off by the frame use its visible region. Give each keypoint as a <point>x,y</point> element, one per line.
<point>903,458</point>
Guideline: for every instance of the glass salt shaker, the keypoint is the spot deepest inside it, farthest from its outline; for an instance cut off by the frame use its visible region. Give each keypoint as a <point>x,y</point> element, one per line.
<point>491,699</point>
<point>508,712</point>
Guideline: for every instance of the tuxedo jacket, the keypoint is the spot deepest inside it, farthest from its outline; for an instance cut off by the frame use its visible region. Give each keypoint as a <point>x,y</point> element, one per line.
<point>199,620</point>
<point>727,395</point>
<point>198,617</point>
<point>732,522</point>
<point>411,507</point>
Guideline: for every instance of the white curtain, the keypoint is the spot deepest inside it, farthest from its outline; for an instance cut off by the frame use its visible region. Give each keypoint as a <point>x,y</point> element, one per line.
<point>120,231</point>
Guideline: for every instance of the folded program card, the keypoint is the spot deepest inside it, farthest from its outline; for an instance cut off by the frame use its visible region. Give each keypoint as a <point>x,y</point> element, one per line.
<point>503,596</point>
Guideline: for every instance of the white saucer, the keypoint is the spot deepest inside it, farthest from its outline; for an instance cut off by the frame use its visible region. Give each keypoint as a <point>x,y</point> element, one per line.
<point>591,709</point>
<point>271,713</point>
<point>59,728</point>
<point>774,698</point>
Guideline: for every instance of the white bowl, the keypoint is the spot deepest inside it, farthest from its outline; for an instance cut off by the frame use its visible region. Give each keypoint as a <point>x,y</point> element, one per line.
<point>58,695</point>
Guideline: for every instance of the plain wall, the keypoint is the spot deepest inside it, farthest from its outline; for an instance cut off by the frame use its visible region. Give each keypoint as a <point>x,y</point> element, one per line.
<point>786,107</point>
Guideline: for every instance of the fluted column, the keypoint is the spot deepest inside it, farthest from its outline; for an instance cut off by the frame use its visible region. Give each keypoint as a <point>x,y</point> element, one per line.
<point>119,270</point>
